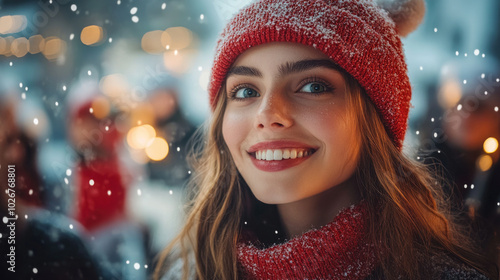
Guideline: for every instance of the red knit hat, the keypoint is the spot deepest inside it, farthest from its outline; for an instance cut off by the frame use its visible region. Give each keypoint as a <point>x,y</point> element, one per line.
<point>361,36</point>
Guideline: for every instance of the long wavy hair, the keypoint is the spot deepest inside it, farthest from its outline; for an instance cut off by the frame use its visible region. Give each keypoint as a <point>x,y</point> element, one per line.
<point>409,215</point>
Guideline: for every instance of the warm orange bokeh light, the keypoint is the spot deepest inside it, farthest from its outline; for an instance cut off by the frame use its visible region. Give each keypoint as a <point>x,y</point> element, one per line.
<point>92,35</point>
<point>12,24</point>
<point>19,47</point>
<point>37,44</point>
<point>158,150</point>
<point>484,162</point>
<point>101,107</point>
<point>54,47</point>
<point>490,145</point>
<point>140,137</point>
<point>152,42</point>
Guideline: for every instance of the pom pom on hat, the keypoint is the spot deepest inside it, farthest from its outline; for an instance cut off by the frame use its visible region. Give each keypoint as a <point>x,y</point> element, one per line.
<point>407,14</point>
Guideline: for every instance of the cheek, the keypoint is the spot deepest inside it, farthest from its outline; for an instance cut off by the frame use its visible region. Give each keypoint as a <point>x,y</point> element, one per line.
<point>233,131</point>
<point>338,130</point>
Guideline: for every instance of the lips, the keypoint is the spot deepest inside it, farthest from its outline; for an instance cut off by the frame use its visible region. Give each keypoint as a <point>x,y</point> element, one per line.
<point>279,155</point>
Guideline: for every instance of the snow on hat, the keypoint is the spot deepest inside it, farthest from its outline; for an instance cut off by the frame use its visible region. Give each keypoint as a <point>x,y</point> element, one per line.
<point>361,36</point>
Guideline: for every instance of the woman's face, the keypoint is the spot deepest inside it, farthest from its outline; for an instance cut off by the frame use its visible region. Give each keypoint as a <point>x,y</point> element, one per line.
<point>287,125</point>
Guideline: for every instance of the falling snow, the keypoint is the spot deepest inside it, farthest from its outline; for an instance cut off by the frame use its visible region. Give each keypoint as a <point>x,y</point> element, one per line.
<point>91,182</point>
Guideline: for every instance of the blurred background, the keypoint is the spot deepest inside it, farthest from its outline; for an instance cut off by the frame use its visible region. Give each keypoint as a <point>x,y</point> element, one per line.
<point>98,101</point>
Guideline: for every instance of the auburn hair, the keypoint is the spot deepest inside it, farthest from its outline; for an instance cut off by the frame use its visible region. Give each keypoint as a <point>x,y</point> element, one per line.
<point>409,213</point>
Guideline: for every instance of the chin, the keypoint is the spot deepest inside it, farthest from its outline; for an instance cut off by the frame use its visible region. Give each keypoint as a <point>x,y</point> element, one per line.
<point>275,197</point>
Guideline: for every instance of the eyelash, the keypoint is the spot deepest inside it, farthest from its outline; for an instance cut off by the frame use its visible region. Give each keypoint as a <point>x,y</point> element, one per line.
<point>234,90</point>
<point>314,79</point>
<point>329,88</point>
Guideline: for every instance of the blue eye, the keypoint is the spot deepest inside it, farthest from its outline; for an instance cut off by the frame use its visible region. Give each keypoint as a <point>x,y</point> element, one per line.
<point>246,93</point>
<point>314,87</point>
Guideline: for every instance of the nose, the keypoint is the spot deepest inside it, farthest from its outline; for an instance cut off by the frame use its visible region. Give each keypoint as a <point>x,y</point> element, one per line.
<point>274,112</point>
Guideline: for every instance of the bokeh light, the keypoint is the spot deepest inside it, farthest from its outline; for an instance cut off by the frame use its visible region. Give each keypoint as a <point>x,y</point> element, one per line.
<point>92,35</point>
<point>12,24</point>
<point>19,47</point>
<point>177,38</point>
<point>101,107</point>
<point>152,42</point>
<point>5,44</point>
<point>158,149</point>
<point>140,137</point>
<point>54,47</point>
<point>450,94</point>
<point>36,44</point>
<point>484,162</point>
<point>490,145</point>
<point>114,85</point>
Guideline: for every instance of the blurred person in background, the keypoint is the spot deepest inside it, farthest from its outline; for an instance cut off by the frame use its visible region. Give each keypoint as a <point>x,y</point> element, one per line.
<point>177,130</point>
<point>102,184</point>
<point>465,146</point>
<point>48,245</point>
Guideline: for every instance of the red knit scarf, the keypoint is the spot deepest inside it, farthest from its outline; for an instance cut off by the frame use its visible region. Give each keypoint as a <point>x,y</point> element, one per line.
<point>337,250</point>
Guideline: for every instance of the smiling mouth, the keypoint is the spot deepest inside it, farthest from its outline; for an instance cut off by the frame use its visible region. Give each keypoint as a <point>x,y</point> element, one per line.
<point>281,154</point>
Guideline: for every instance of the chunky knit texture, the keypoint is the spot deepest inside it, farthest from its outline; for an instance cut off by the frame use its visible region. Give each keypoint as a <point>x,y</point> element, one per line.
<point>357,34</point>
<point>335,251</point>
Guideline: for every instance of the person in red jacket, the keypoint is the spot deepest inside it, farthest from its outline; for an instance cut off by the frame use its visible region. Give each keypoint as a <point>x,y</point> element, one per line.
<point>101,190</point>
<point>302,175</point>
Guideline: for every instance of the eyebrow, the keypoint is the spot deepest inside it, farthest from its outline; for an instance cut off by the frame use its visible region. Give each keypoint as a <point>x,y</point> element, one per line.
<point>244,71</point>
<point>304,65</point>
<point>287,68</point>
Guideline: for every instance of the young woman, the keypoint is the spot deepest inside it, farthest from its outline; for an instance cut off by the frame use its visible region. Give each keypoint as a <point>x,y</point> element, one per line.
<point>301,175</point>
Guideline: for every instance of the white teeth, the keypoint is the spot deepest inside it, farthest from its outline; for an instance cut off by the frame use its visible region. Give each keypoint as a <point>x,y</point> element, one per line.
<point>269,155</point>
<point>286,154</point>
<point>279,154</point>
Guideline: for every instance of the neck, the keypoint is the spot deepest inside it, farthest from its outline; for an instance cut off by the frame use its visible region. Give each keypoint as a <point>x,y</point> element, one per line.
<point>313,212</point>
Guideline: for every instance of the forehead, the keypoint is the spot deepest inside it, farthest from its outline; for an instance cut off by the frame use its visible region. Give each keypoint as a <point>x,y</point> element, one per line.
<point>276,53</point>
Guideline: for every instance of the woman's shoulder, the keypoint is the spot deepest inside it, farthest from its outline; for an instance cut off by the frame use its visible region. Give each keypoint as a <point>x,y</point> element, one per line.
<point>440,266</point>
<point>444,267</point>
